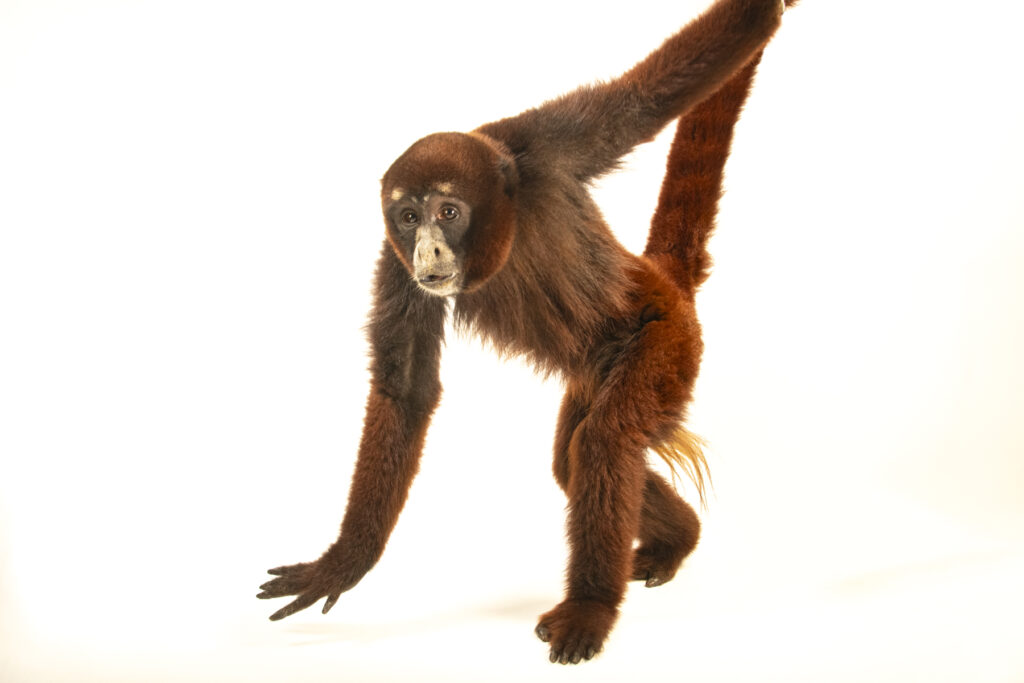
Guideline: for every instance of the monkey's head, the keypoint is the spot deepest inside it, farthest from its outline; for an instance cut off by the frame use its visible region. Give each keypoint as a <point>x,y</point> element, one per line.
<point>450,211</point>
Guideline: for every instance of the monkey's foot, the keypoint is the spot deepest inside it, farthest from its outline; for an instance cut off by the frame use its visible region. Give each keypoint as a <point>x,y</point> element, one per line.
<point>655,564</point>
<point>576,630</point>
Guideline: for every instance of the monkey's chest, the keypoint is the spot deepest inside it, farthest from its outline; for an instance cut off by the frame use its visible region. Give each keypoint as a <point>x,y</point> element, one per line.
<point>539,329</point>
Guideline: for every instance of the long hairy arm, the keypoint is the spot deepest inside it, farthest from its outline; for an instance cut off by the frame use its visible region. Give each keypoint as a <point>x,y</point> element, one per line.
<point>586,132</point>
<point>405,329</point>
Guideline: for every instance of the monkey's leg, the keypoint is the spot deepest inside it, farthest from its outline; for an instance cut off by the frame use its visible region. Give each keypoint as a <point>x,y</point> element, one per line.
<point>605,488</point>
<point>606,475</point>
<point>669,527</point>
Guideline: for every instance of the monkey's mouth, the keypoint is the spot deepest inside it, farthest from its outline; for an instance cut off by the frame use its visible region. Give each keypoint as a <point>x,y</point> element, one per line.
<point>441,285</point>
<point>433,280</point>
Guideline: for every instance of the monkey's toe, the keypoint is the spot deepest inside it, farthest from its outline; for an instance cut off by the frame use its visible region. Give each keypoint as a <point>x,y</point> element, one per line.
<point>655,566</point>
<point>653,581</point>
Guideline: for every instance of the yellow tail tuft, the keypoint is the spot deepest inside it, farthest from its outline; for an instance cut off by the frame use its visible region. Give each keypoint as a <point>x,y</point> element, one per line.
<point>683,452</point>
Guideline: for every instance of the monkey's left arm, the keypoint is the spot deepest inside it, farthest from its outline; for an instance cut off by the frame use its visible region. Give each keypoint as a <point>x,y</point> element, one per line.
<point>406,330</point>
<point>587,131</point>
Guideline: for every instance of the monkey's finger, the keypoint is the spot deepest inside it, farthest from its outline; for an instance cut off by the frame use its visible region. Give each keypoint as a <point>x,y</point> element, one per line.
<point>284,585</point>
<point>299,604</point>
<point>329,603</point>
<point>268,590</point>
<point>288,569</point>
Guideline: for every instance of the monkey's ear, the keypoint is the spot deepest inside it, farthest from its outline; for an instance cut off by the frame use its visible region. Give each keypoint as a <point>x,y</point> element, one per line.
<point>507,166</point>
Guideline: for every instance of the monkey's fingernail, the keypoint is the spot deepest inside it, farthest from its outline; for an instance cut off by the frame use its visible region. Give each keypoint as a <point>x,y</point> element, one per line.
<point>590,653</point>
<point>543,633</point>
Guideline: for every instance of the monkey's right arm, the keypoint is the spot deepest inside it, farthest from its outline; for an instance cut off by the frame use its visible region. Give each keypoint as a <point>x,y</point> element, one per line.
<point>406,329</point>
<point>587,131</point>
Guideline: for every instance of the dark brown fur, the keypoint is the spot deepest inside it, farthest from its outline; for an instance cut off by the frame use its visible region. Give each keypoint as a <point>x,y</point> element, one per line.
<point>545,278</point>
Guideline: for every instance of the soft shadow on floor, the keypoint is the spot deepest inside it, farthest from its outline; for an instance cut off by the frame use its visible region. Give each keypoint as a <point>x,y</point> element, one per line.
<point>525,610</point>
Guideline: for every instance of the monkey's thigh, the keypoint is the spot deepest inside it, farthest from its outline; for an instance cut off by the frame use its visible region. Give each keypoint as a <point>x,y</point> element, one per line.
<point>647,389</point>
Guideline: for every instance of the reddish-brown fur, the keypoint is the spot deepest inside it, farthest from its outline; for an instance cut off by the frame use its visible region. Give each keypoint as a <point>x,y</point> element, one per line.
<point>545,278</point>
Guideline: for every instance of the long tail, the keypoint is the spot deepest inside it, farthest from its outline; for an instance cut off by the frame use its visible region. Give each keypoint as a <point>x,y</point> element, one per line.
<point>685,218</point>
<point>688,203</point>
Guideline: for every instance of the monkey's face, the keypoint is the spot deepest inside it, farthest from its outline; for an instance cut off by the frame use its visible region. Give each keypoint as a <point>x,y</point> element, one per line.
<point>449,211</point>
<point>428,231</point>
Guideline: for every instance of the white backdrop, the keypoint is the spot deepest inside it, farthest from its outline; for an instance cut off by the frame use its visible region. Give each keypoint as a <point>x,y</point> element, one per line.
<point>188,223</point>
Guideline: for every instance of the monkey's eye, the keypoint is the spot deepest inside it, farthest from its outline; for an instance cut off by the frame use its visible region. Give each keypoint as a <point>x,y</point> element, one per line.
<point>409,217</point>
<point>448,213</point>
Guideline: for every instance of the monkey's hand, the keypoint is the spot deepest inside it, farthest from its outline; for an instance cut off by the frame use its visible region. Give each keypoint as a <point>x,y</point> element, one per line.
<point>310,581</point>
